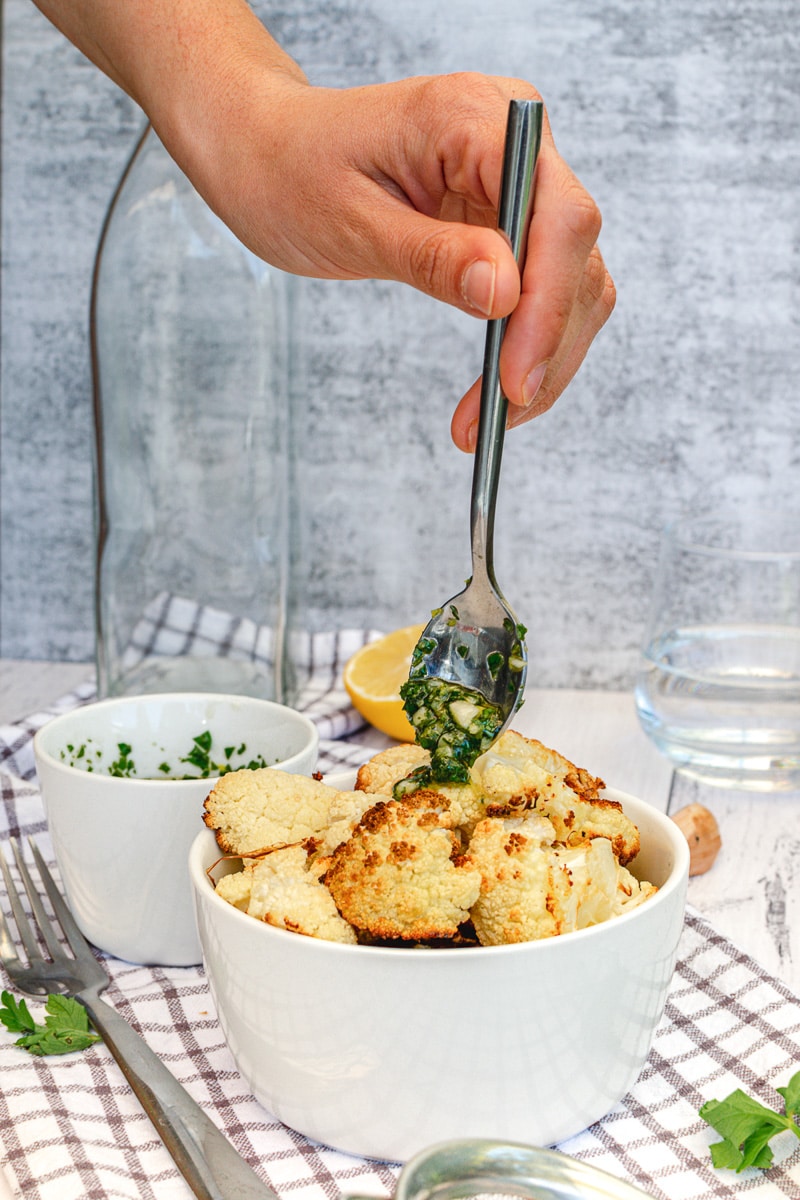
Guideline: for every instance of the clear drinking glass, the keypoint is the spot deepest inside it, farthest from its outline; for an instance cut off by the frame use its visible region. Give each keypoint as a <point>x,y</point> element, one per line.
<point>190,341</point>
<point>718,690</point>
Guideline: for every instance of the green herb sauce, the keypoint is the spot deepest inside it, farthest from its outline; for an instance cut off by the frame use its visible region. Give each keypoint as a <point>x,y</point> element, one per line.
<point>454,722</point>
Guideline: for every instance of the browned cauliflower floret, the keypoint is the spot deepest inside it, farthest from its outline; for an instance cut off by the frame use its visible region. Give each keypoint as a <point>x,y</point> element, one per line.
<point>384,770</point>
<point>594,874</point>
<point>347,809</point>
<point>401,874</point>
<point>283,888</point>
<point>252,811</point>
<point>631,892</point>
<point>532,888</point>
<point>577,821</point>
<point>286,891</point>
<point>518,774</point>
<point>523,890</point>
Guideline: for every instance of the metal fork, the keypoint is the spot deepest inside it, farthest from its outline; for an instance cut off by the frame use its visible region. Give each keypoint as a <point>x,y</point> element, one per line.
<point>207,1160</point>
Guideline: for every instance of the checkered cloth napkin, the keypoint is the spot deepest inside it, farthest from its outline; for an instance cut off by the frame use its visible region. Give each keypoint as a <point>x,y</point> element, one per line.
<point>71,1129</point>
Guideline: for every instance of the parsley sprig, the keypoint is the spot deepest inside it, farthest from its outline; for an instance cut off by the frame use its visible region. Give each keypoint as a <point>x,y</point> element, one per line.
<point>747,1126</point>
<point>66,1025</point>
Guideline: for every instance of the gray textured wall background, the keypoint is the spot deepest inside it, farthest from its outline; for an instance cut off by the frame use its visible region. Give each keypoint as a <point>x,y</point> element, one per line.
<point>684,122</point>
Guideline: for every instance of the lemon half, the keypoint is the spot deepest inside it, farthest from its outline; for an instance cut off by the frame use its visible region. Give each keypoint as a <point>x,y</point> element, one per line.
<point>373,676</point>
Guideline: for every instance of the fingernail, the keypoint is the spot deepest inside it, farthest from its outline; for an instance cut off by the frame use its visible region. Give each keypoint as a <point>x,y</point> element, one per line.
<point>472,437</point>
<point>532,384</point>
<point>477,285</point>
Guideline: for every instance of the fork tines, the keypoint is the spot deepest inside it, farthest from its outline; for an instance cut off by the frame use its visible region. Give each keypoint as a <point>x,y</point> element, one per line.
<point>40,975</point>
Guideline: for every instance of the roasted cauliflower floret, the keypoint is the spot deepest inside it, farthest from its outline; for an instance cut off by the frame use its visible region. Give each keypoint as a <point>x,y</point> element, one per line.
<point>511,772</point>
<point>631,892</point>
<point>577,821</point>
<point>347,809</point>
<point>401,874</point>
<point>392,766</point>
<point>283,888</point>
<point>251,811</point>
<point>235,889</point>
<point>518,774</point>
<point>382,772</point>
<point>286,891</point>
<point>523,890</point>
<point>532,888</point>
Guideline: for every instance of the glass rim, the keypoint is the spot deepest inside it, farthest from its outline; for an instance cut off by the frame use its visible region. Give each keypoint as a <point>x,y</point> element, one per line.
<point>684,533</point>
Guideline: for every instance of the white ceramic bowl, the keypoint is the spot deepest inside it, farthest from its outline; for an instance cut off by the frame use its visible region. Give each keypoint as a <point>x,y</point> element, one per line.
<point>381,1051</point>
<point>122,844</point>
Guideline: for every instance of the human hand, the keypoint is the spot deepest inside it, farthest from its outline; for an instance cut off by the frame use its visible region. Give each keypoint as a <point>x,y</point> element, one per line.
<point>401,181</point>
<point>393,181</point>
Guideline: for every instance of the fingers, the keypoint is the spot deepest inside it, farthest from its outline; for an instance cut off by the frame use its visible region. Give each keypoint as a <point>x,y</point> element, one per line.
<point>562,273</point>
<point>469,267</point>
<point>591,309</point>
<point>439,172</point>
<point>411,175</point>
<point>464,425</point>
<point>566,297</point>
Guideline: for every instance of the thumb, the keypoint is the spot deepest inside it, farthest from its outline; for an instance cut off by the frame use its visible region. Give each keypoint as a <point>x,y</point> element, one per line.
<point>467,266</point>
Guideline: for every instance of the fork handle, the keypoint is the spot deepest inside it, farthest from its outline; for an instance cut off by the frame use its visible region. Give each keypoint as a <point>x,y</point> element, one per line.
<point>203,1155</point>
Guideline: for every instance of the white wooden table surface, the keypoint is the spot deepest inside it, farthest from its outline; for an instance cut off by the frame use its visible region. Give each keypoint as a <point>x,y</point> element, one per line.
<point>752,893</point>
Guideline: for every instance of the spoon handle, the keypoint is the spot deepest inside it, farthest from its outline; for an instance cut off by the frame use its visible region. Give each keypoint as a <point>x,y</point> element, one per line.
<point>523,139</point>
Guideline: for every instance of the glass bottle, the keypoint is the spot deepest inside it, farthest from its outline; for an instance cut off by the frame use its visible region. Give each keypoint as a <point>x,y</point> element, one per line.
<point>190,355</point>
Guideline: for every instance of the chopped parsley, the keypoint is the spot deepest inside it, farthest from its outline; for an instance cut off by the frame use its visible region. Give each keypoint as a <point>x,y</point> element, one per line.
<point>124,765</point>
<point>200,758</point>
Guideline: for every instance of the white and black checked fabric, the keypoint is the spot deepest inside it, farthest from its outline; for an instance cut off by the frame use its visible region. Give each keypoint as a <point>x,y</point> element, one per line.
<point>173,625</point>
<point>71,1129</point>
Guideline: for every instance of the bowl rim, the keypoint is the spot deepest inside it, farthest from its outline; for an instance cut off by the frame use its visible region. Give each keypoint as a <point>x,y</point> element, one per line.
<point>676,881</point>
<point>51,726</point>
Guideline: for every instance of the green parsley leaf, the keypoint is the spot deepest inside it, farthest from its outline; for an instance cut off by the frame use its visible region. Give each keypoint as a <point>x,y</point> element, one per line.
<point>66,1025</point>
<point>724,1155</point>
<point>747,1126</point>
<point>791,1095</point>
<point>15,1016</point>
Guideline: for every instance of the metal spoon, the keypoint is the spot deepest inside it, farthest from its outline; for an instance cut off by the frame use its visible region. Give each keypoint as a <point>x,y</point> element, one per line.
<point>468,1167</point>
<point>475,640</point>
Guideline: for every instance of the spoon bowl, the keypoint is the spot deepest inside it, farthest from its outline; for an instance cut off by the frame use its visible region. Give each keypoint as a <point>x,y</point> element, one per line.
<point>476,642</point>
